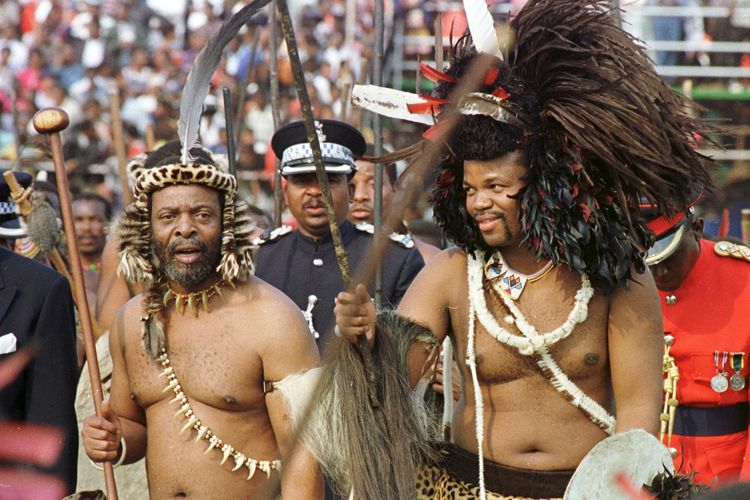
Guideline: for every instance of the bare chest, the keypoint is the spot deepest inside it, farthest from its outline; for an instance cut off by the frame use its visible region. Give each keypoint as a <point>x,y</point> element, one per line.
<point>581,355</point>
<point>214,364</point>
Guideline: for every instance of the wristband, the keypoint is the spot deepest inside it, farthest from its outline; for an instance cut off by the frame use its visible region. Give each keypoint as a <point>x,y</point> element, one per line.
<point>119,461</point>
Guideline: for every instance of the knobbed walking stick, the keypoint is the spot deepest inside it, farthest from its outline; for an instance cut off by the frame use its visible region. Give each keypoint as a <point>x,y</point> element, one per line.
<point>50,122</point>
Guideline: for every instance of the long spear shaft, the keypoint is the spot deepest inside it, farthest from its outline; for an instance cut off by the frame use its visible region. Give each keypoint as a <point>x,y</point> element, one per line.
<point>229,128</point>
<point>377,79</point>
<point>119,142</point>
<point>52,121</point>
<point>275,103</point>
<point>312,138</point>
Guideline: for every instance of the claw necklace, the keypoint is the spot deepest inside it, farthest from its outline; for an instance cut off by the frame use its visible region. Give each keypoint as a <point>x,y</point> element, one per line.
<point>181,300</point>
<point>203,432</point>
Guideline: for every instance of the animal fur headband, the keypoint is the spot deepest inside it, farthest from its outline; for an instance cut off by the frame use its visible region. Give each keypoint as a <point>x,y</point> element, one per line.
<point>598,126</point>
<point>178,163</point>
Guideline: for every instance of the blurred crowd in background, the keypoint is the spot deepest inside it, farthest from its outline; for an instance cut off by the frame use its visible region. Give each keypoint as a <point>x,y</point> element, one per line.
<point>81,54</point>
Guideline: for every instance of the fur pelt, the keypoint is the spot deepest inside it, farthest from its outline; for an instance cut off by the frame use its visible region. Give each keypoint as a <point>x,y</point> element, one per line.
<point>372,453</point>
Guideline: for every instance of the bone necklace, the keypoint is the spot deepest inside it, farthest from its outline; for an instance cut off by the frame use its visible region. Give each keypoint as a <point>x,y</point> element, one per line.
<point>181,300</point>
<point>203,432</point>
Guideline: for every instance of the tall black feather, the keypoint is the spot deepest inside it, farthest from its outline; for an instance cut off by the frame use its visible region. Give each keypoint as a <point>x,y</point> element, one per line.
<point>199,79</point>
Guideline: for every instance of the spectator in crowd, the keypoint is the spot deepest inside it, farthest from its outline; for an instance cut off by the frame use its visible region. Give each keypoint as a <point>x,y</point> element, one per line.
<point>91,214</point>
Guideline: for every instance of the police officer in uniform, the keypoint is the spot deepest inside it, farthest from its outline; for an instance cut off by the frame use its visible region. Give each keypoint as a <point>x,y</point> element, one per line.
<point>704,289</point>
<point>302,263</point>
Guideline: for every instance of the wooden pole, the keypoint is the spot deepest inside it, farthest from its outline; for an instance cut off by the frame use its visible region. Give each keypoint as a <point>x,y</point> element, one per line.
<point>149,136</point>
<point>119,142</point>
<point>51,121</point>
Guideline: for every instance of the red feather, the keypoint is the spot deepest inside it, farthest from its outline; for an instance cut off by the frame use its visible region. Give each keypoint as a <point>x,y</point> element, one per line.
<point>423,108</point>
<point>491,76</point>
<point>500,93</point>
<point>434,75</point>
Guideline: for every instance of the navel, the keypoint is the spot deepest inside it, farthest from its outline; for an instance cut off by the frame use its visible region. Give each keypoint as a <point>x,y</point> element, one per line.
<point>230,400</point>
<point>134,396</point>
<point>591,358</point>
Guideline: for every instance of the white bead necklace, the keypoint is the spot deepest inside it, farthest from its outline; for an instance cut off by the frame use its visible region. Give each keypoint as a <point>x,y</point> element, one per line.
<point>532,341</point>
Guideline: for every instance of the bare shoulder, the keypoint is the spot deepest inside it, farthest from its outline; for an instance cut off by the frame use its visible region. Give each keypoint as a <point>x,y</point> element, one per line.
<point>641,288</point>
<point>636,308</point>
<point>273,302</point>
<point>286,345</point>
<point>281,317</point>
<point>126,328</point>
<point>449,262</point>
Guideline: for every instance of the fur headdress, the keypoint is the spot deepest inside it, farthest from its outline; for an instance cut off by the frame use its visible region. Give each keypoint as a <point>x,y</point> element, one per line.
<point>598,126</point>
<point>178,163</point>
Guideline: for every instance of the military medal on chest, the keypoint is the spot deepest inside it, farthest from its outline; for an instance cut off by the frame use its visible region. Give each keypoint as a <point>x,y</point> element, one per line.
<point>737,381</point>
<point>720,381</point>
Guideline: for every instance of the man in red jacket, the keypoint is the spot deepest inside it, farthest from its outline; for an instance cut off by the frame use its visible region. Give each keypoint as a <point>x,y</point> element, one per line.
<point>704,289</point>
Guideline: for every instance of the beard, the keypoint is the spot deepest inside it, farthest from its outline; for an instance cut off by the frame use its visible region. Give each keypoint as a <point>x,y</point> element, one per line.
<point>188,275</point>
<point>501,236</point>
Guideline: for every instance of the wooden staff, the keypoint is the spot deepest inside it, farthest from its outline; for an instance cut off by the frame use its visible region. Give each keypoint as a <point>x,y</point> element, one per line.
<point>149,136</point>
<point>320,172</point>
<point>51,121</point>
<point>275,104</point>
<point>119,142</point>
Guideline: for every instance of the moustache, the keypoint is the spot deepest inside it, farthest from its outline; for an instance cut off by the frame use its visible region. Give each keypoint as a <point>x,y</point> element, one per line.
<point>313,204</point>
<point>478,214</point>
<point>194,241</point>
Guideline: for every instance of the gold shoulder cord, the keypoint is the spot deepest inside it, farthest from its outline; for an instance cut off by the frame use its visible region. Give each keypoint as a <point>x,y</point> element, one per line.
<point>666,418</point>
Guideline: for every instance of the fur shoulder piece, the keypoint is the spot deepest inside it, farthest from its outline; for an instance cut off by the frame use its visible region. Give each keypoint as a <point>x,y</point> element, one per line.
<point>273,235</point>
<point>727,249</point>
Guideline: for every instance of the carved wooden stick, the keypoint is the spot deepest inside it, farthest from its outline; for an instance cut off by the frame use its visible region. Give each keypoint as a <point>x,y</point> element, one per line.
<point>51,122</point>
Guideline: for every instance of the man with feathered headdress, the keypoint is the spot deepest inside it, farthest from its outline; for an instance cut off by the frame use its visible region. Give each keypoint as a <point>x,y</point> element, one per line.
<point>546,296</point>
<point>195,356</point>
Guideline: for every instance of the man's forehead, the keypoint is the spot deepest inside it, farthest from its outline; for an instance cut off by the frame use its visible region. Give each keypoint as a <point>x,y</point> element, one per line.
<point>190,194</point>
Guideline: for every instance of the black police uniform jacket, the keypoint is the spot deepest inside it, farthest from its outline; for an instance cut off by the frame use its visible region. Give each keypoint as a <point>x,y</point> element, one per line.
<point>300,266</point>
<point>36,307</point>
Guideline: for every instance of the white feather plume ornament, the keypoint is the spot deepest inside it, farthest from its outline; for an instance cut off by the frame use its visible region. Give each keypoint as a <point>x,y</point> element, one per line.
<point>389,102</point>
<point>482,27</point>
<point>199,80</point>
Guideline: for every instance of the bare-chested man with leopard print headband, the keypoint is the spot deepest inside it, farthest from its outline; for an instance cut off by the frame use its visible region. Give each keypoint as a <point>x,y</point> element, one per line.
<point>200,383</point>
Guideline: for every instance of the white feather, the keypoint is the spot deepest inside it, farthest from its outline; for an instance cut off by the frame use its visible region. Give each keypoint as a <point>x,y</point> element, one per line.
<point>199,79</point>
<point>482,27</point>
<point>389,102</point>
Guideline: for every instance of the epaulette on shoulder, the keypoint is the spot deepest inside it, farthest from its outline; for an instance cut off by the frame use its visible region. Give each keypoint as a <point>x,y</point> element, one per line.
<point>727,249</point>
<point>405,240</point>
<point>273,235</point>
